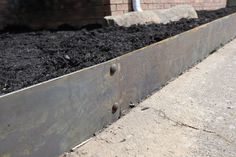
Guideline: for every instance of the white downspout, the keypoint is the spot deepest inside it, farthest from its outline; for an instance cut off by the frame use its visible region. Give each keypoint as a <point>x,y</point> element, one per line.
<point>137,5</point>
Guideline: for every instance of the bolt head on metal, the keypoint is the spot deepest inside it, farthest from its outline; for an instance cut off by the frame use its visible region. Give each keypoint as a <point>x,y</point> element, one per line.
<point>115,108</point>
<point>113,69</point>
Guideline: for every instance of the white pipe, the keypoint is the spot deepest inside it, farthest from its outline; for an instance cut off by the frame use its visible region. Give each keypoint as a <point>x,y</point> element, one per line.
<point>137,5</point>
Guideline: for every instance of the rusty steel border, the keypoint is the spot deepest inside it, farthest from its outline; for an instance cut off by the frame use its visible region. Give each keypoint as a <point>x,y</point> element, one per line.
<point>49,118</point>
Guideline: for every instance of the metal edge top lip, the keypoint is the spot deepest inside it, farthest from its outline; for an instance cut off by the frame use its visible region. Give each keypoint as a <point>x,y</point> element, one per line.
<point>115,59</point>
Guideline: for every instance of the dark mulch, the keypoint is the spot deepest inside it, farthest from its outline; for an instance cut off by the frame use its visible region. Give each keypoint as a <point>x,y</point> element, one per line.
<point>33,57</point>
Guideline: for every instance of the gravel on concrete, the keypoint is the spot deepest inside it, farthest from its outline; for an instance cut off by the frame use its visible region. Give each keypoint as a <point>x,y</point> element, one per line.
<point>193,116</point>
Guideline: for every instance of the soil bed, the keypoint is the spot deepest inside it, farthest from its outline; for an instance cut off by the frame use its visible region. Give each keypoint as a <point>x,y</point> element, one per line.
<point>33,57</point>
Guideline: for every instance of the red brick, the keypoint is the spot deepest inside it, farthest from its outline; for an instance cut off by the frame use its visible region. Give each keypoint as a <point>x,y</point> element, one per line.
<point>113,7</point>
<point>116,1</point>
<point>122,7</point>
<point>115,13</point>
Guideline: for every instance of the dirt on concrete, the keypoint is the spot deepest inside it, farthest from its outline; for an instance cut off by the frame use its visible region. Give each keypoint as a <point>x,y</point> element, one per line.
<point>32,57</point>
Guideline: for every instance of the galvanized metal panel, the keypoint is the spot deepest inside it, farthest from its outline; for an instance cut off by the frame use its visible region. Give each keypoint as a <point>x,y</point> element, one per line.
<point>148,69</point>
<point>52,117</point>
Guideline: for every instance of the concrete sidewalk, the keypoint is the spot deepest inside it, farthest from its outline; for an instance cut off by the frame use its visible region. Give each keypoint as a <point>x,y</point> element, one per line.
<point>193,116</point>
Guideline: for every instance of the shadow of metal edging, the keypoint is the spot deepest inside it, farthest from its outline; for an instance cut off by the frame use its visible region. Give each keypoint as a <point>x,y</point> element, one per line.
<point>51,117</point>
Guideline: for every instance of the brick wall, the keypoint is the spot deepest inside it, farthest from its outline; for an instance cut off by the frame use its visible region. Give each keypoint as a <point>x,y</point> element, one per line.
<point>53,13</point>
<point>122,6</point>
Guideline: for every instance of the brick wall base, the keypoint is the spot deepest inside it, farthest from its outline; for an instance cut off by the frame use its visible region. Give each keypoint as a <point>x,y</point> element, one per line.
<point>53,13</point>
<point>123,6</point>
<point>38,14</point>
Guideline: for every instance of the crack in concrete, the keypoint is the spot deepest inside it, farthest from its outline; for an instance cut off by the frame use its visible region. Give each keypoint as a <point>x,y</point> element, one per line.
<point>163,115</point>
